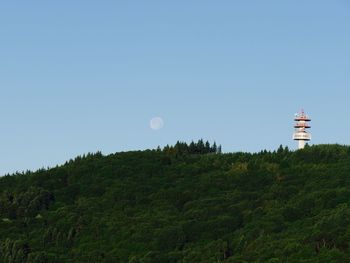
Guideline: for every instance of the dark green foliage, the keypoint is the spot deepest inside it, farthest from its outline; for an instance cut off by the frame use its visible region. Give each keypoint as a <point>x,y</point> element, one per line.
<point>201,147</point>
<point>184,204</point>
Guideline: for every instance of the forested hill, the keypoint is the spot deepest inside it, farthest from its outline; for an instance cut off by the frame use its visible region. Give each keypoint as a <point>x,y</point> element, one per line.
<point>181,205</point>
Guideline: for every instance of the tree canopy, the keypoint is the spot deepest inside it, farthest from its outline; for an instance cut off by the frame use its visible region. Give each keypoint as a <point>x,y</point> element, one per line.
<point>183,203</point>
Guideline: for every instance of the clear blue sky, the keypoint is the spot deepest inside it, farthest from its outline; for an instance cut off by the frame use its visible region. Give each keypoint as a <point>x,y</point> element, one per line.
<point>82,76</point>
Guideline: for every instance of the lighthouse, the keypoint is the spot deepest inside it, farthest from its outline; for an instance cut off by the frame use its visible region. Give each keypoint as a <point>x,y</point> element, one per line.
<point>301,124</point>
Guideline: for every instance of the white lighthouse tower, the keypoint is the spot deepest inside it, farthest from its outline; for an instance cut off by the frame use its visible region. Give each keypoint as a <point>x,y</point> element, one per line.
<point>300,133</point>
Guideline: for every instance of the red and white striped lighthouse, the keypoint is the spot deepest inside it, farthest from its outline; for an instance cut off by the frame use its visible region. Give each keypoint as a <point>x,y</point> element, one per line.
<point>301,124</point>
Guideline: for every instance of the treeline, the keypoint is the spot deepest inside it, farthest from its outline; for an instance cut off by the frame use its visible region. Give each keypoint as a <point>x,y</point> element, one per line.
<point>179,205</point>
<point>199,147</point>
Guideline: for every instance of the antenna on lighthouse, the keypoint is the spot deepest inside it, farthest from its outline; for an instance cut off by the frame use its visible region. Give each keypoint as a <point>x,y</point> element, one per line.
<point>300,133</point>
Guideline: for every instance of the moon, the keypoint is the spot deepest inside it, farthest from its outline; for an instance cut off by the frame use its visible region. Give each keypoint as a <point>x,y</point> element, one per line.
<point>156,123</point>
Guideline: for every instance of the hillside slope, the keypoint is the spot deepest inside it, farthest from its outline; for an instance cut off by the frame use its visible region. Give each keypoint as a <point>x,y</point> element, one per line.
<point>168,206</point>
